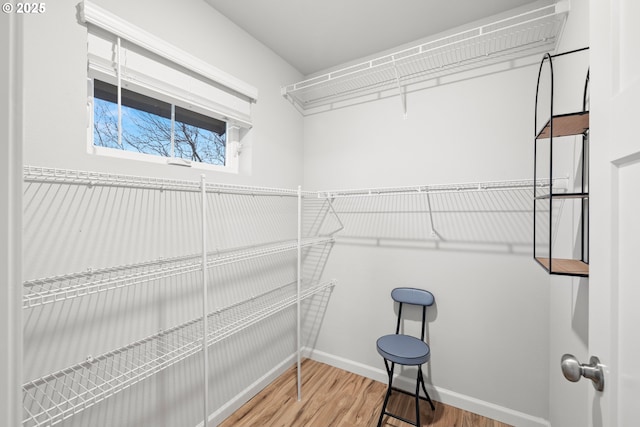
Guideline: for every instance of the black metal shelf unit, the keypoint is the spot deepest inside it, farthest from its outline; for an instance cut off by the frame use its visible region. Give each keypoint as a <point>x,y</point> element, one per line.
<point>547,204</point>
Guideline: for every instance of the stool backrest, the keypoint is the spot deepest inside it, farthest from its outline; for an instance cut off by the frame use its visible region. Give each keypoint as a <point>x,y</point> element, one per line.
<point>413,296</point>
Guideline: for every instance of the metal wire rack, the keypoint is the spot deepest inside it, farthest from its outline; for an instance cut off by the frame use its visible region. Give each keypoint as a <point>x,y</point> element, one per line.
<point>55,397</point>
<point>75,177</point>
<point>525,34</point>
<point>444,188</point>
<point>65,176</point>
<point>59,288</point>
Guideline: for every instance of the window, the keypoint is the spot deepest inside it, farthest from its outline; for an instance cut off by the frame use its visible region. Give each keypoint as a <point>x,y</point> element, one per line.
<point>149,100</point>
<point>154,127</point>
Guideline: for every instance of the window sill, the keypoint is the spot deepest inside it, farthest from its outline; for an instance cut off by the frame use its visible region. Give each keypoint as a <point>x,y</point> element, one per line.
<point>231,167</point>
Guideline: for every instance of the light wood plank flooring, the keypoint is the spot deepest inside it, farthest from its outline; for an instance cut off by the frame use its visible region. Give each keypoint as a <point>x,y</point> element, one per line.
<point>332,397</point>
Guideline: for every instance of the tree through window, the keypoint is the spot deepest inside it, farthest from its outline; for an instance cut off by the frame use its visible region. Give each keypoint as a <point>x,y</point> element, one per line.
<point>155,127</point>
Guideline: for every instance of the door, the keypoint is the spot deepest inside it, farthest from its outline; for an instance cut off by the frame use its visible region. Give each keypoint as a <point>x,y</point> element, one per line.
<point>614,284</point>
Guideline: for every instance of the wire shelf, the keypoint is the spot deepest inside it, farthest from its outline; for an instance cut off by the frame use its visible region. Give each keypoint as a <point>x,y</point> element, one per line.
<point>75,177</point>
<point>529,33</point>
<point>55,397</point>
<point>230,320</point>
<point>59,288</point>
<point>442,188</point>
<point>100,179</point>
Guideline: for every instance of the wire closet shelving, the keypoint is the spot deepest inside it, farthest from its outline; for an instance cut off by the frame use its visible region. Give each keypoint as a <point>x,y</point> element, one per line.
<point>52,398</point>
<point>56,396</point>
<point>58,288</point>
<point>529,33</point>
<point>454,214</point>
<point>444,188</point>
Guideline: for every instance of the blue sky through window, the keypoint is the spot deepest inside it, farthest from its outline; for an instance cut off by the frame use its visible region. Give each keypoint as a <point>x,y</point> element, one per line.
<point>144,131</point>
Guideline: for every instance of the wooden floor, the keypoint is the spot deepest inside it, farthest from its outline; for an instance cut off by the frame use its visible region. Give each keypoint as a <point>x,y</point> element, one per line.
<point>336,398</point>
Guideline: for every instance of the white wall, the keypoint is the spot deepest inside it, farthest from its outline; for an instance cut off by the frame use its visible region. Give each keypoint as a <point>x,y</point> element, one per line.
<point>490,336</point>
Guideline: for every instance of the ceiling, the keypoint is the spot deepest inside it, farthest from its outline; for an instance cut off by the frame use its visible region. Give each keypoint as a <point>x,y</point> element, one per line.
<point>315,35</point>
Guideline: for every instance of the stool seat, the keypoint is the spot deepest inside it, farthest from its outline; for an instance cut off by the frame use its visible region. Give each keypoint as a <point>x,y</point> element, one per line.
<point>403,349</point>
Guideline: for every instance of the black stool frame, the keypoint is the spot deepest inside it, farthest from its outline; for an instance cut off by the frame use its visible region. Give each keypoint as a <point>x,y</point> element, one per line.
<point>390,366</point>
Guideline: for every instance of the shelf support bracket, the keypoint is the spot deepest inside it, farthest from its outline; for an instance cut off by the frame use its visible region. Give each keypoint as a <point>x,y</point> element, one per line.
<point>434,232</point>
<point>331,209</point>
<point>403,95</point>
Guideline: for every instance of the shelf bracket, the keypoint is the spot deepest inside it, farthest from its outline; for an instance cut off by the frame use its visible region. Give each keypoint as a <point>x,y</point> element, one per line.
<point>434,232</point>
<point>335,214</point>
<point>403,95</point>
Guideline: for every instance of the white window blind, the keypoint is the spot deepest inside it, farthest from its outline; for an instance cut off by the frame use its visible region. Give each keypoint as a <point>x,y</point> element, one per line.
<point>121,52</point>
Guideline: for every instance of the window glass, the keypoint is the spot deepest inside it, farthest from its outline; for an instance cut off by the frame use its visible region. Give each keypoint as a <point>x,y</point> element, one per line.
<point>148,127</point>
<point>199,138</point>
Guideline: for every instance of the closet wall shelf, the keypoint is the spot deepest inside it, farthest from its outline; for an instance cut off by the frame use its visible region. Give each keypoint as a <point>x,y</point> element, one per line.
<point>230,320</point>
<point>63,176</point>
<point>37,174</point>
<point>562,266</point>
<point>447,188</point>
<point>55,397</point>
<point>59,288</point>
<point>529,33</point>
<point>566,125</point>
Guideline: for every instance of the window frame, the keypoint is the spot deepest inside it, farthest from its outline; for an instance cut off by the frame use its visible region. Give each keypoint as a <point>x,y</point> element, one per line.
<point>229,100</point>
<point>232,143</point>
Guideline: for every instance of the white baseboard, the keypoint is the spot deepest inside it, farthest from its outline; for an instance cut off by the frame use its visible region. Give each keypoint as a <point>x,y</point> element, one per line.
<point>245,395</point>
<point>486,409</point>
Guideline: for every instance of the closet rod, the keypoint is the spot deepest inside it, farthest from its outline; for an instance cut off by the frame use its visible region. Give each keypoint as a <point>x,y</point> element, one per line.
<point>441,188</point>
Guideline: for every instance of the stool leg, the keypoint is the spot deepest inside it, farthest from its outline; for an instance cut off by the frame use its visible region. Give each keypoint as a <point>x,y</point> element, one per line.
<point>418,378</point>
<point>421,381</point>
<point>386,398</point>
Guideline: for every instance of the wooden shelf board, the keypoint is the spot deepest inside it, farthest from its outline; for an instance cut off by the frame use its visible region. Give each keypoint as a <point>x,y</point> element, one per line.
<point>566,125</point>
<point>570,267</point>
